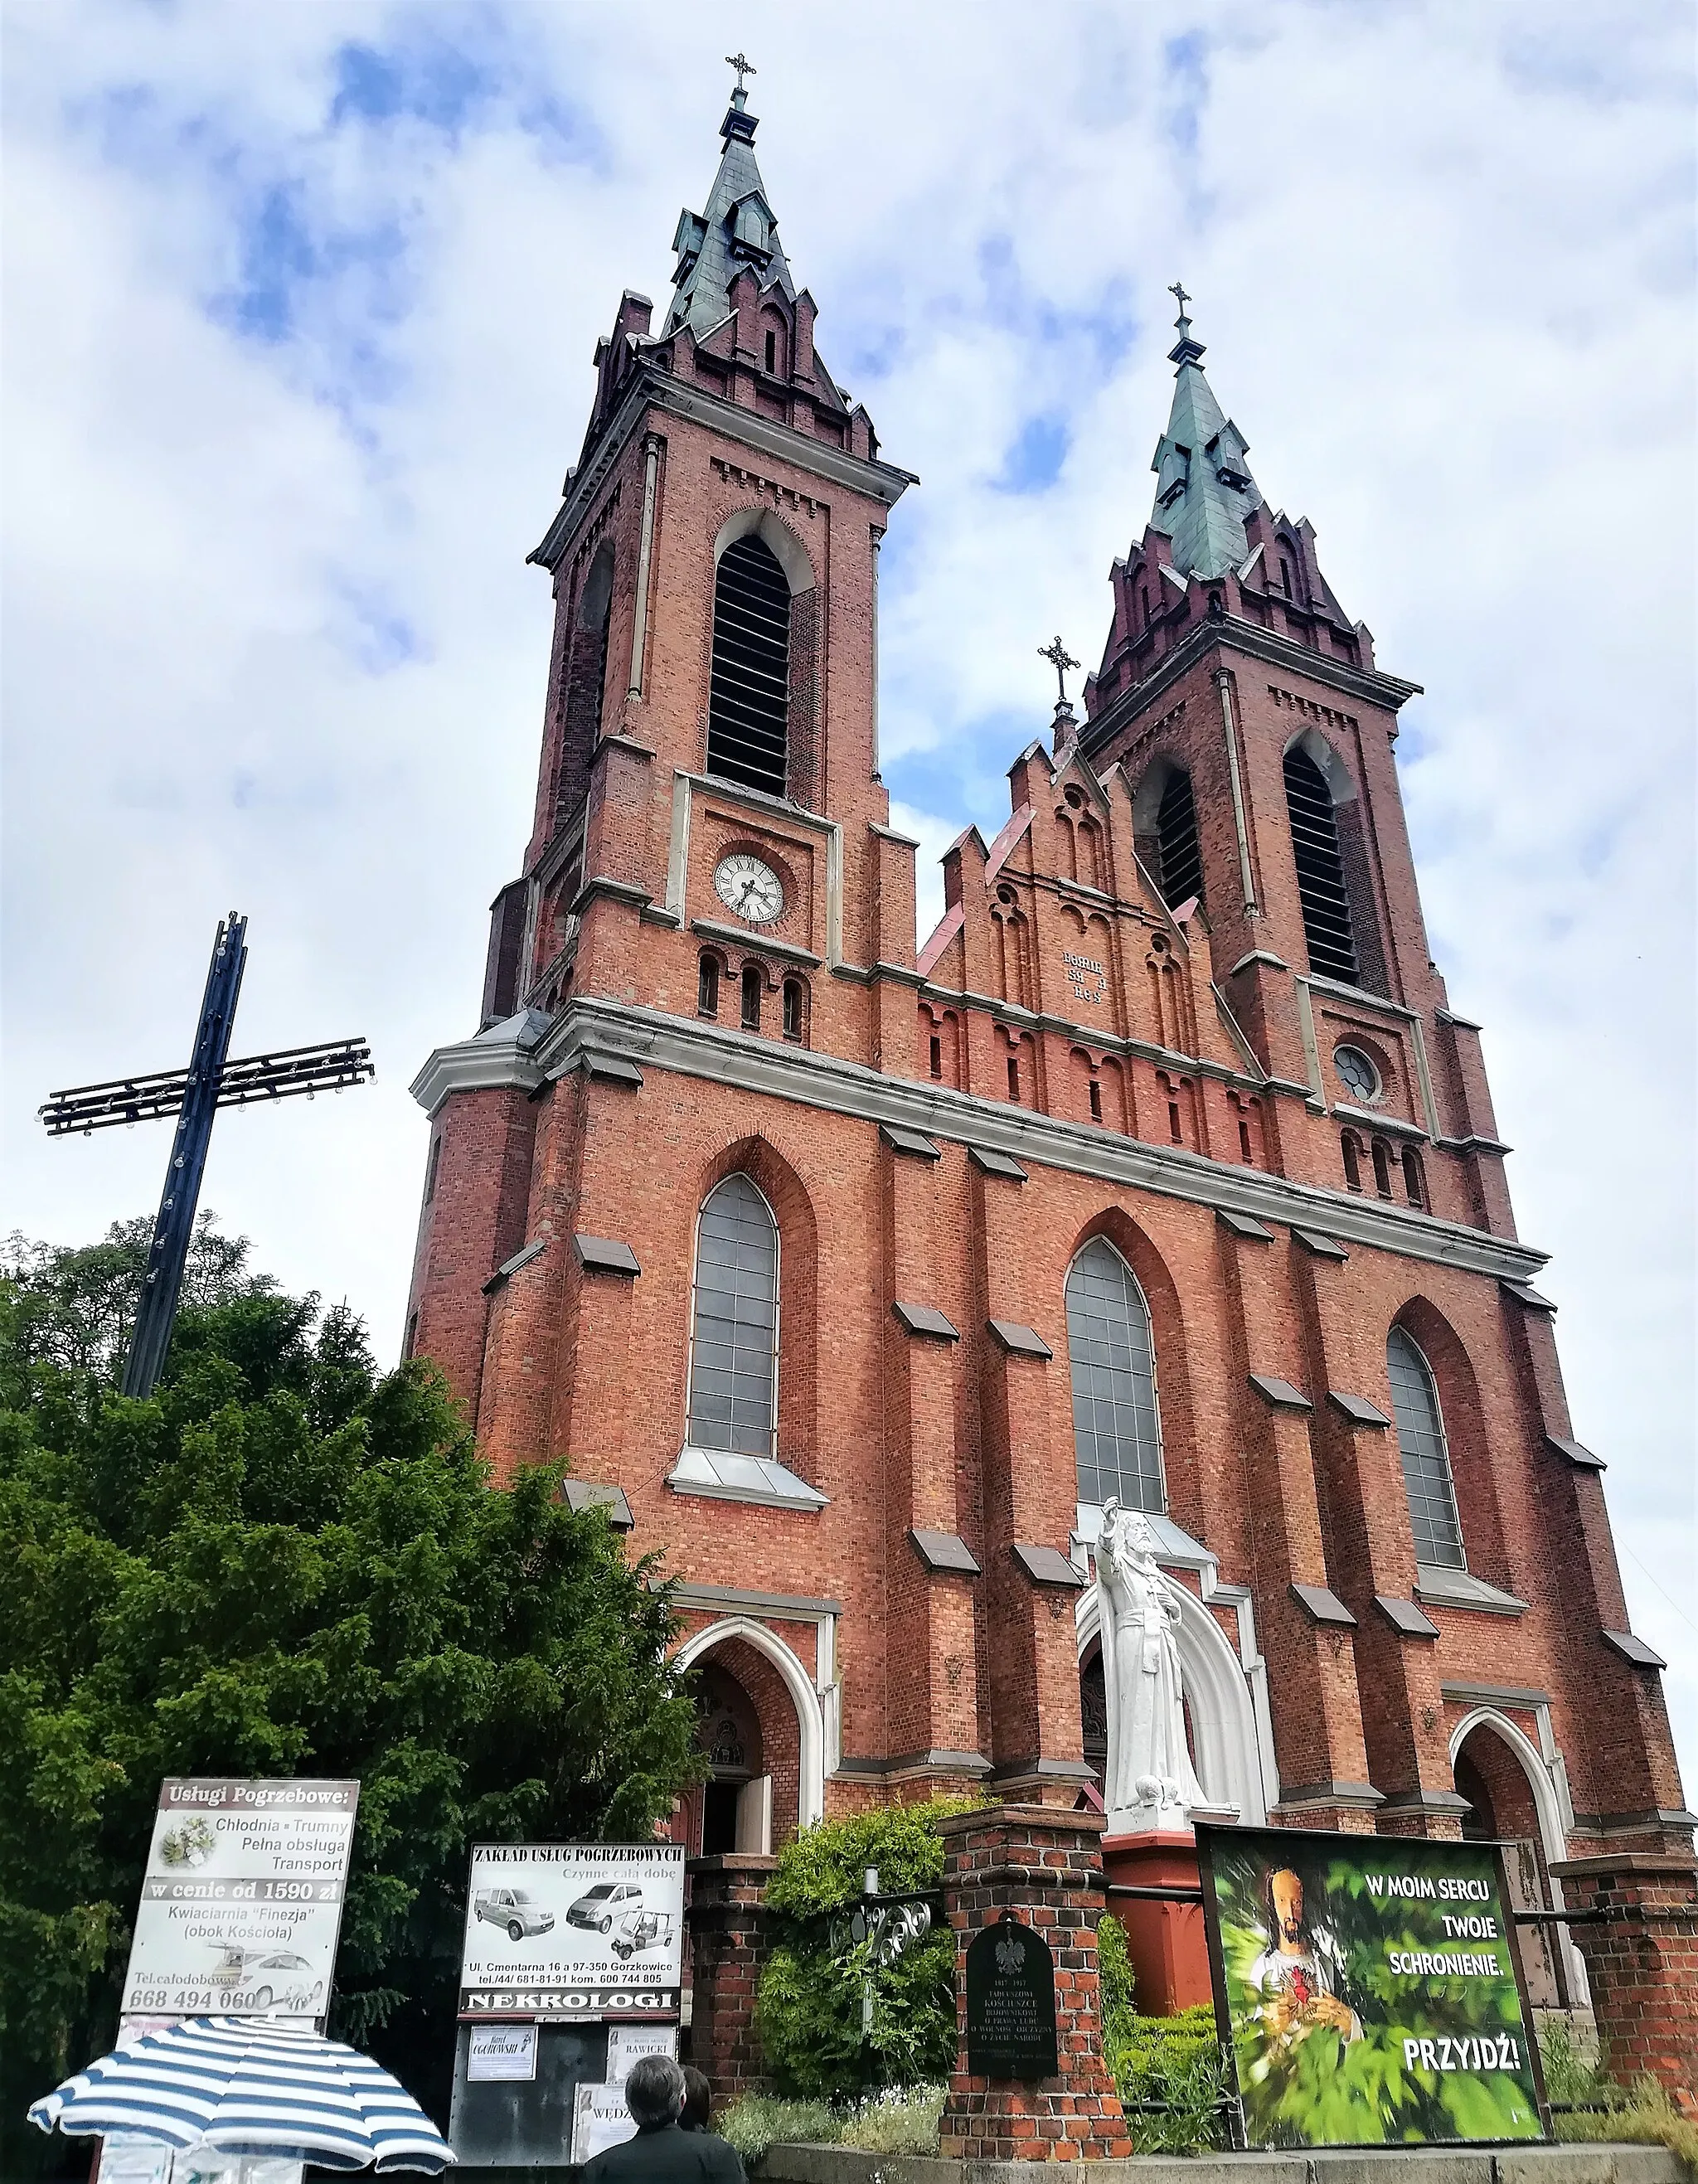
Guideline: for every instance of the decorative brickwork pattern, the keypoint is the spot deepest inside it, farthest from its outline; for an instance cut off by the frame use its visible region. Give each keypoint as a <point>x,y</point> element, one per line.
<point>1642,1962</point>
<point>1046,1867</point>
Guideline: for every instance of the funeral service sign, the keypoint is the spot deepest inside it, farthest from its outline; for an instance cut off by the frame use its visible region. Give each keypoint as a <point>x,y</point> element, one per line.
<point>1368,1987</point>
<point>242,1900</point>
<point>574,1931</point>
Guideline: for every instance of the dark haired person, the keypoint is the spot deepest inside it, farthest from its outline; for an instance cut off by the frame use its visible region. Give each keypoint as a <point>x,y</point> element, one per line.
<point>1296,1974</point>
<point>699,2100</point>
<point>661,2153</point>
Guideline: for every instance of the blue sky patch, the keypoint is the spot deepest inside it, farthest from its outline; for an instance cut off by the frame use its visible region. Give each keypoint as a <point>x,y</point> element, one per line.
<point>1035,459</point>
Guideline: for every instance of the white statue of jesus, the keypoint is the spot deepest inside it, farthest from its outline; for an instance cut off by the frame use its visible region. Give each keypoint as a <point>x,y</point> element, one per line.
<point>1150,1782</point>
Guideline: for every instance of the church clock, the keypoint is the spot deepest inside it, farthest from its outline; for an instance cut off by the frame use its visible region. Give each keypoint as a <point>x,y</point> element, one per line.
<point>752,888</point>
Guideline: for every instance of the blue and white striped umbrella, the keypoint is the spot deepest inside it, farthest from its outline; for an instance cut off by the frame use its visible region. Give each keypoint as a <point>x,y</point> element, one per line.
<point>239,2085</point>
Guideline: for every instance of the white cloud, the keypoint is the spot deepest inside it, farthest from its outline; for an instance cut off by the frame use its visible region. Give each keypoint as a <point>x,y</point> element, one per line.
<point>1441,255</point>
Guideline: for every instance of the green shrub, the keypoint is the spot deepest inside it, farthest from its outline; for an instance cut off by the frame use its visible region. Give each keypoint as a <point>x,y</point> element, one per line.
<point>1167,2070</point>
<point>1642,2115</point>
<point>811,2031</point>
<point>898,2120</point>
<point>756,2121</point>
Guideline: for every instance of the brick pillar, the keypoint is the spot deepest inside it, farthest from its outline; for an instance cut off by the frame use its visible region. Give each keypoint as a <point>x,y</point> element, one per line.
<point>1045,1866</point>
<point>728,1948</point>
<point>1642,1962</point>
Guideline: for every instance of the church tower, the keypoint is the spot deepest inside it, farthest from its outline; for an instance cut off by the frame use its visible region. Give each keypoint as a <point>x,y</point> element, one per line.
<point>857,1279</point>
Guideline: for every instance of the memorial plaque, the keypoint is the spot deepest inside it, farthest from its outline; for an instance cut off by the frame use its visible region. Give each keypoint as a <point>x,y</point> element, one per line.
<point>1011,2004</point>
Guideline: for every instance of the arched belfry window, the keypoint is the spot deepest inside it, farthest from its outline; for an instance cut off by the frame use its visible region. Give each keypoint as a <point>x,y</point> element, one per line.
<point>734,1343</point>
<point>1178,851</point>
<point>749,698</point>
<point>1117,1427</point>
<point>1320,869</point>
<point>1426,1458</point>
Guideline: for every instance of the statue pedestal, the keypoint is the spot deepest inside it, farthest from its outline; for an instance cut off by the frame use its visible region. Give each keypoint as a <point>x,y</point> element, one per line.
<point>1166,1941</point>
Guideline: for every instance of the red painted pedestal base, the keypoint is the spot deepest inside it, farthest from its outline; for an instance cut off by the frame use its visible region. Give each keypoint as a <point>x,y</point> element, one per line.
<point>1170,1955</point>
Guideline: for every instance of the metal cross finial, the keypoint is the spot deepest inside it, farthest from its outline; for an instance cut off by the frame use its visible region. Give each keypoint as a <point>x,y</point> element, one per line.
<point>1060,659</point>
<point>1177,289</point>
<point>740,61</point>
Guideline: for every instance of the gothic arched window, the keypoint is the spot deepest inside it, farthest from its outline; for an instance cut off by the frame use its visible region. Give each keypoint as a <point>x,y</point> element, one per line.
<point>1117,1427</point>
<point>734,1341</point>
<point>1320,869</point>
<point>1426,1458</point>
<point>749,701</point>
<point>1178,853</point>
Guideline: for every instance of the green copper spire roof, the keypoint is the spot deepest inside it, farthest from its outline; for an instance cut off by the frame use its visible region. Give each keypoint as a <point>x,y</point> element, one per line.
<point>738,229</point>
<point>1203,489</point>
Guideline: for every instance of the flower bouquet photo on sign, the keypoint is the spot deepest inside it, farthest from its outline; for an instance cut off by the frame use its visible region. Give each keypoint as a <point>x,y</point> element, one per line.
<point>1367,1989</point>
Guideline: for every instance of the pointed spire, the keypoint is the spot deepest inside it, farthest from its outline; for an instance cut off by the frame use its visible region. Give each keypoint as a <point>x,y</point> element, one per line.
<point>738,228</point>
<point>1204,490</point>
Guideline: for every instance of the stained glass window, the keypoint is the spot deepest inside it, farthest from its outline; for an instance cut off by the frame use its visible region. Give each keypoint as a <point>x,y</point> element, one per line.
<point>734,1355</point>
<point>1426,1459</point>
<point>1116,1428</point>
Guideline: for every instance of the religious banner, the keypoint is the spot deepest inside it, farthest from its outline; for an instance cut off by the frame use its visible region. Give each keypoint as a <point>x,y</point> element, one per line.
<point>574,1931</point>
<point>1369,1989</point>
<point>242,1900</point>
<point>1011,2004</point>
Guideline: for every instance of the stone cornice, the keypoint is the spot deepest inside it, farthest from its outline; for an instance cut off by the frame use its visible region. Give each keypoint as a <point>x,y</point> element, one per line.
<point>651,388</point>
<point>477,1064</point>
<point>655,1040</point>
<point>1365,684</point>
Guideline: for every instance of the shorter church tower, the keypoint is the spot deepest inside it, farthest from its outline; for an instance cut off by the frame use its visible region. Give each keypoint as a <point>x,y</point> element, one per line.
<point>857,1279</point>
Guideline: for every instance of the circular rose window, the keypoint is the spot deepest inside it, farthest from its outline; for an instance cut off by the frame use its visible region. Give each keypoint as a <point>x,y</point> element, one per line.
<point>1356,1073</point>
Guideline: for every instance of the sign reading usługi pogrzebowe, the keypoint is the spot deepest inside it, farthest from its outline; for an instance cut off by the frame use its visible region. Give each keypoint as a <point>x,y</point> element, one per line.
<point>1368,1987</point>
<point>573,1930</point>
<point>242,1900</point>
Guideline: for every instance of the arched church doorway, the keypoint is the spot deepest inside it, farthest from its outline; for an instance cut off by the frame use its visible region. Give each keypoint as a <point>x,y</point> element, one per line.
<point>749,1733</point>
<point>1491,1764</point>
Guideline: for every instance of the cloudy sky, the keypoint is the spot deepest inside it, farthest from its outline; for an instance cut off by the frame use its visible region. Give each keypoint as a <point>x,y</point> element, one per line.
<point>299,307</point>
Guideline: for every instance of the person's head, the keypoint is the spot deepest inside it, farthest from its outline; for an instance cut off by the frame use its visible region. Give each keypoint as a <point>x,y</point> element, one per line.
<point>699,2100</point>
<point>655,2091</point>
<point>1283,1894</point>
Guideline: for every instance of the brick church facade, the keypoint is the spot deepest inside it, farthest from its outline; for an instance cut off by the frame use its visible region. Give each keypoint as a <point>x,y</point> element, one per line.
<point>857,1276</point>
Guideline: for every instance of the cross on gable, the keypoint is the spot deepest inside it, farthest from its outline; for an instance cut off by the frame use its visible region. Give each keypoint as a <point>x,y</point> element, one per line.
<point>741,62</point>
<point>1060,659</point>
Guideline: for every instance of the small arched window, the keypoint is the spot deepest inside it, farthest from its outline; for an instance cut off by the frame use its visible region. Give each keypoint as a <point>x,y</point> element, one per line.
<point>754,982</point>
<point>707,985</point>
<point>1382,1167</point>
<point>1178,851</point>
<point>1414,1183</point>
<point>749,703</point>
<point>1117,1426</point>
<point>1426,1458</point>
<point>795,1009</point>
<point>1352,1148</point>
<point>1326,906</point>
<point>734,1342</point>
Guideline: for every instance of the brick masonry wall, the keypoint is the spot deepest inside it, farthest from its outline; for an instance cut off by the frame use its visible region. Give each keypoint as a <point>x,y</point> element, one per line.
<point>1045,1868</point>
<point>1642,1962</point>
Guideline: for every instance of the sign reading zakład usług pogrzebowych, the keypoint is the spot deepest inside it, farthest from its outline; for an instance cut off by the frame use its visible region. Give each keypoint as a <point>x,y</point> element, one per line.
<point>1368,1988</point>
<point>242,1901</point>
<point>573,1930</point>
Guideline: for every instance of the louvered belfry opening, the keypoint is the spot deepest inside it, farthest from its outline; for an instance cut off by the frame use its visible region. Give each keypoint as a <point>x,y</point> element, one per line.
<point>1319,870</point>
<point>1177,845</point>
<point>749,698</point>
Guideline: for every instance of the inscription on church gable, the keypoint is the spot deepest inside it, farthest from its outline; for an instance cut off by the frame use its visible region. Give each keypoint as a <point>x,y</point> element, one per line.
<point>1086,978</point>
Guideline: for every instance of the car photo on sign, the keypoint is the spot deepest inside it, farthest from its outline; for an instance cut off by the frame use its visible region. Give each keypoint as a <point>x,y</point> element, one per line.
<point>514,1910</point>
<point>573,1930</point>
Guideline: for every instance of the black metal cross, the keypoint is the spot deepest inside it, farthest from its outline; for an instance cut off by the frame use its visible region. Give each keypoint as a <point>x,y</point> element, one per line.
<point>1060,659</point>
<point>740,61</point>
<point>1177,289</point>
<point>193,1094</point>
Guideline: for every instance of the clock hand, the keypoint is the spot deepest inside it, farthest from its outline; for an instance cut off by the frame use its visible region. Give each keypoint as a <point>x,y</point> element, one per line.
<point>747,886</point>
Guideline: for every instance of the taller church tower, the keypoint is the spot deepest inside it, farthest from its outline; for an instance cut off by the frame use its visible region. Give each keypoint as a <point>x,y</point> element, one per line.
<point>859,1278</point>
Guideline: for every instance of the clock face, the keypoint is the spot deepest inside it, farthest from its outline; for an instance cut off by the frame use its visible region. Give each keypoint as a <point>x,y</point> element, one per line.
<point>749,887</point>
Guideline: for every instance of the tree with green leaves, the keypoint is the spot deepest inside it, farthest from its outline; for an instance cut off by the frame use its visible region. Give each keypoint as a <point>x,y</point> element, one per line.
<point>283,1564</point>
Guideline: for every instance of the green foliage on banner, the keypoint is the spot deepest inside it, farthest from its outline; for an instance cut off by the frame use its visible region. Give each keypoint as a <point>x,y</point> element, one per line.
<point>1326,2086</point>
<point>285,1564</point>
<point>811,1989</point>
